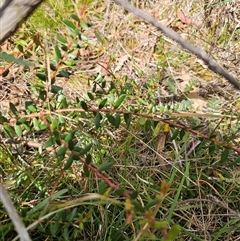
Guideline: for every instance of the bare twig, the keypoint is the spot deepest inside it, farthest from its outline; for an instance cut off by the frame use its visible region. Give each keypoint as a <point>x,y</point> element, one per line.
<point>213,65</point>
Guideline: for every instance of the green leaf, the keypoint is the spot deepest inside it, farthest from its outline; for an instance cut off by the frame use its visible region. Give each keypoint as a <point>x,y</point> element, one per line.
<point>142,120</point>
<point>26,127</point>
<point>112,86</point>
<point>30,107</point>
<point>55,123</point>
<point>69,162</point>
<point>36,124</point>
<point>105,166</point>
<point>119,101</point>
<point>174,232</point>
<point>186,137</point>
<point>102,103</point>
<point>127,118</point>
<point>70,136</point>
<point>61,119</point>
<point>71,145</point>
<point>83,37</point>
<point>88,159</point>
<point>18,129</point>
<point>224,155</point>
<point>41,76</point>
<point>5,73</point>
<point>61,39</point>
<point>20,48</point>
<point>148,125</point>
<point>157,129</point>
<point>85,150</point>
<point>175,134</point>
<point>94,87</point>
<point>211,148</point>
<point>69,24</point>
<point>63,73</point>
<point>53,67</point>
<point>66,232</point>
<point>43,126</point>
<point>134,195</point>
<point>54,228</point>
<point>99,37</point>
<point>86,171</point>
<point>72,215</point>
<point>76,157</point>
<point>182,133</point>
<point>13,109</point>
<point>75,17</point>
<point>2,119</point>
<point>102,187</point>
<point>161,224</point>
<point>84,25</point>
<point>84,105</point>
<point>43,95</point>
<point>55,89</point>
<point>90,95</point>
<point>48,143</point>
<point>137,206</point>
<point>151,204</point>
<point>97,120</point>
<point>117,120</point>
<point>103,84</point>
<point>58,54</point>
<point>8,131</point>
<point>62,151</point>
<point>234,163</point>
<point>120,192</point>
<point>111,119</point>
<point>64,48</point>
<point>11,59</point>
<point>77,148</point>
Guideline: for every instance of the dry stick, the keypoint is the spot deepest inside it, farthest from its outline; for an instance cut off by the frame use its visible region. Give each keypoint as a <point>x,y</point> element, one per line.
<point>20,228</point>
<point>213,65</point>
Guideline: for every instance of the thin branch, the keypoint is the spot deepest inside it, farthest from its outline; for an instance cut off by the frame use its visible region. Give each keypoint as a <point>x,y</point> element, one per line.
<point>213,65</point>
<point>19,226</point>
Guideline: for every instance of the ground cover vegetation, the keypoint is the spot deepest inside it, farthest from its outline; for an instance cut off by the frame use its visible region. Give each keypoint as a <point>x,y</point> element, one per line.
<point>110,131</point>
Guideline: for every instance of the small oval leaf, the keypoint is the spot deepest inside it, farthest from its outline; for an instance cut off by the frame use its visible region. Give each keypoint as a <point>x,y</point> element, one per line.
<point>102,103</point>
<point>13,109</point>
<point>117,120</point>
<point>69,162</point>
<point>119,101</point>
<point>84,105</point>
<point>88,159</point>
<point>86,171</point>
<point>41,76</point>
<point>69,24</point>
<point>49,143</point>
<point>105,166</point>
<point>58,54</point>
<point>18,130</point>
<point>224,155</point>
<point>97,120</point>
<point>85,150</point>
<point>61,39</point>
